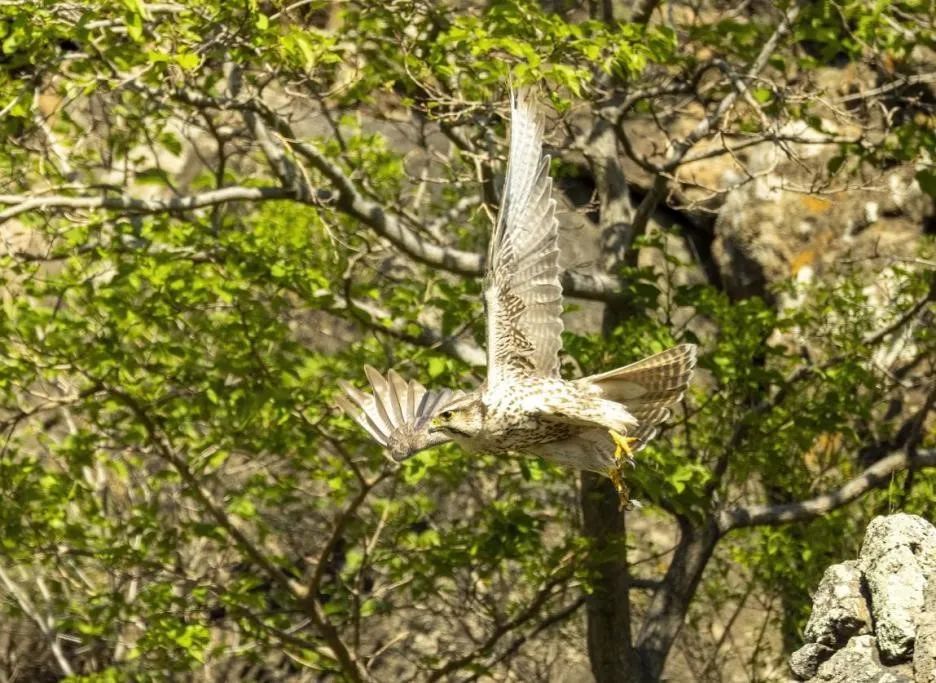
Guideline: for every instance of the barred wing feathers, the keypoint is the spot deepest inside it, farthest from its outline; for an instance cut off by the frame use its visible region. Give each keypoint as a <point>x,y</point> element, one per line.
<point>523,295</point>
<point>397,413</point>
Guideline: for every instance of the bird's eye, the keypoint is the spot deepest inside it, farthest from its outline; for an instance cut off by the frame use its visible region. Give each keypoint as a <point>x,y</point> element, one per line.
<point>446,414</point>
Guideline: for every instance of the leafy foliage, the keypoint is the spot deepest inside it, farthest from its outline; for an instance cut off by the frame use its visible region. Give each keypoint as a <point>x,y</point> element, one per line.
<point>180,497</point>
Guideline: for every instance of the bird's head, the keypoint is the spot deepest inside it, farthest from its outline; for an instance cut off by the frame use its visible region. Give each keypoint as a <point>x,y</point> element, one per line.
<point>462,418</point>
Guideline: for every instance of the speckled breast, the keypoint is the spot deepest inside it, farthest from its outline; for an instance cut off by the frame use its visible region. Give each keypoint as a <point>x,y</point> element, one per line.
<point>509,428</point>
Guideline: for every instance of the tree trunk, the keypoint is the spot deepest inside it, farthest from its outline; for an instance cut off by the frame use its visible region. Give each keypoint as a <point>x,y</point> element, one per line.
<point>667,612</point>
<point>608,613</point>
<point>610,649</point>
<point>615,656</point>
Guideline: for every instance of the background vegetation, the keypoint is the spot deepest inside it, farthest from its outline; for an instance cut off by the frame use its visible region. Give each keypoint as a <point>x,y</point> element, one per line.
<point>212,212</point>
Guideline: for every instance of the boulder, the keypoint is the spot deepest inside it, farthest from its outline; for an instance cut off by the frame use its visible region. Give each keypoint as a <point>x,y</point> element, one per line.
<point>897,558</point>
<point>839,607</point>
<point>805,662</point>
<point>874,619</point>
<point>859,662</point>
<point>924,651</point>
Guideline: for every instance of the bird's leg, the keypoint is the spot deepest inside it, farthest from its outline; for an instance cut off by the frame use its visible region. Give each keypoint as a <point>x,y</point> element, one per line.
<point>614,474</point>
<point>622,453</point>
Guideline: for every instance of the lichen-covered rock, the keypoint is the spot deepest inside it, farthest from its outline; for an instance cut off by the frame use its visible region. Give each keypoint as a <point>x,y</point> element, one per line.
<point>893,581</point>
<point>766,232</point>
<point>924,651</point>
<point>859,662</point>
<point>804,663</point>
<point>897,558</point>
<point>839,607</point>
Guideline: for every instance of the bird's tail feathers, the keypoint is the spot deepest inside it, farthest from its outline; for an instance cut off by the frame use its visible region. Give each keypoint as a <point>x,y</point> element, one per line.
<point>662,374</point>
<point>648,387</point>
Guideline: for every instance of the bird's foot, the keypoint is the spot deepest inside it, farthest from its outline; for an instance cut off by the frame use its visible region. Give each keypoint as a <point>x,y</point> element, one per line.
<point>623,453</point>
<point>622,447</point>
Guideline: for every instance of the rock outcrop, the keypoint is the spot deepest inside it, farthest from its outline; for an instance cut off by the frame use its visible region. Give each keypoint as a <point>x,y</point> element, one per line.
<point>874,619</point>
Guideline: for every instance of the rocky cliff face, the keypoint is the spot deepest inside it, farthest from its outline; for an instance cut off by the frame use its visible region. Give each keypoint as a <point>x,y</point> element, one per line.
<point>874,619</point>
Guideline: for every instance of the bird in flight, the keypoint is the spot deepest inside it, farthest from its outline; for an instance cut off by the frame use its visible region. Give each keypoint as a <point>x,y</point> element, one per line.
<point>524,406</point>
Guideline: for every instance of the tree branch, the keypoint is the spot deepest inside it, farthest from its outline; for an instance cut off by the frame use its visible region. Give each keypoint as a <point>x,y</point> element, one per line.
<point>340,524</point>
<point>349,663</point>
<point>680,148</point>
<point>428,337</point>
<point>591,286</point>
<point>797,376</point>
<point>530,611</point>
<point>44,624</point>
<point>874,477</point>
<point>283,167</point>
<point>667,611</point>
<point>20,204</point>
<point>548,621</point>
<point>900,81</point>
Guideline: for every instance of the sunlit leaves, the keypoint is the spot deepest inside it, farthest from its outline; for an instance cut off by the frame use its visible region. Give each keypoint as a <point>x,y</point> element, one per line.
<point>152,363</point>
<point>308,49</point>
<point>477,51</point>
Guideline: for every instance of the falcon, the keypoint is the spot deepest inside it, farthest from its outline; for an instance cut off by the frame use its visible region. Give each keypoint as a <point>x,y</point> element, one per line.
<point>525,407</point>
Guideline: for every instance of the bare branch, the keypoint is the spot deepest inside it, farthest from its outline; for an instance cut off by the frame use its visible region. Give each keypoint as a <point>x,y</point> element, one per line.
<point>542,596</point>
<point>285,169</point>
<point>704,127</point>
<point>899,82</point>
<point>20,204</point>
<point>592,286</point>
<point>340,523</point>
<point>429,337</point>
<point>879,474</point>
<point>546,622</point>
<point>907,316</point>
<point>679,148</point>
<point>45,624</point>
<point>772,137</point>
<point>668,606</point>
<point>288,172</point>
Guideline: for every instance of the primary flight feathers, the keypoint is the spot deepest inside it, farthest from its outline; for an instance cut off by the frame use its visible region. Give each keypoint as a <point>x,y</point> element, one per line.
<point>397,412</point>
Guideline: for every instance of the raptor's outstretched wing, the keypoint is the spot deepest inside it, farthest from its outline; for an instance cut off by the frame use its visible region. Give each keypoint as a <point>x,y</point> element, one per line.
<point>523,295</point>
<point>397,413</point>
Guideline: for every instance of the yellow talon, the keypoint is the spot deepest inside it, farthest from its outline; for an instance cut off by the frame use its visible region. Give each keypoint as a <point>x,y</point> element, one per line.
<point>622,448</point>
<point>622,445</point>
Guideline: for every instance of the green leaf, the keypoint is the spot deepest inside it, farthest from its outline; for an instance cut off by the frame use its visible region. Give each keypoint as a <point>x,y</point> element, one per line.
<point>927,180</point>
<point>762,95</point>
<point>189,61</point>
<point>436,366</point>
